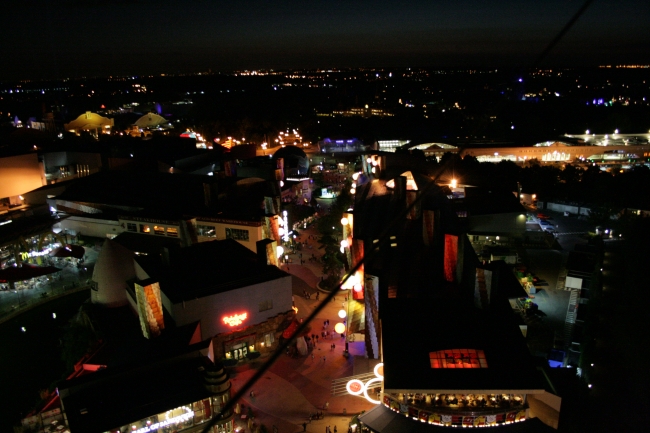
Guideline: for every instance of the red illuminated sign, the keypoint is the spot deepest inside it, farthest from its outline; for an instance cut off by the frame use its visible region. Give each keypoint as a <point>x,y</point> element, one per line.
<point>235,319</point>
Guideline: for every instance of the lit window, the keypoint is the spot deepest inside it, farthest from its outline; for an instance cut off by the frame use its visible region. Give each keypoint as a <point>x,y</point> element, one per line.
<point>145,228</point>
<point>237,234</point>
<point>172,231</point>
<point>458,358</point>
<point>268,339</point>
<point>159,230</point>
<point>206,231</point>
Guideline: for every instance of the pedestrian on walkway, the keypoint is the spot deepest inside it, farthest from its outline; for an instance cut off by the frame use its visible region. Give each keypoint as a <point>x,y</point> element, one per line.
<point>335,430</point>
<point>317,296</point>
<point>333,346</point>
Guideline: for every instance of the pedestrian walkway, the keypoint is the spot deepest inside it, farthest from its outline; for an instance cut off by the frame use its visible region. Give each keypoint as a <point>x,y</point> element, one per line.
<point>69,279</point>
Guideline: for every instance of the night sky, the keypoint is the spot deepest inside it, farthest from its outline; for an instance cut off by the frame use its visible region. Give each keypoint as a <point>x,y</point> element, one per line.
<point>59,38</point>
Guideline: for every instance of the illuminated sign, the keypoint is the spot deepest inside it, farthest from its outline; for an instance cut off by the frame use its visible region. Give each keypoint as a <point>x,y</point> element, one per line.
<point>235,319</point>
<point>357,387</point>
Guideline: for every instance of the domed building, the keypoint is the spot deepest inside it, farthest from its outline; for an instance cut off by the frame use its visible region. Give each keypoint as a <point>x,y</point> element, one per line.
<point>90,122</point>
<point>153,121</point>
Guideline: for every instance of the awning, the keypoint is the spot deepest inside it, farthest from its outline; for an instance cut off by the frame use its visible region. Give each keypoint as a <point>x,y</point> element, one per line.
<point>380,419</point>
<point>26,272</point>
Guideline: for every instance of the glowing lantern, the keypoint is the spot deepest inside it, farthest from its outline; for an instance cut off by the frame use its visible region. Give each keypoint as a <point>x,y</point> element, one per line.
<point>339,328</point>
<point>344,243</point>
<point>355,387</point>
<point>344,221</point>
<point>342,314</point>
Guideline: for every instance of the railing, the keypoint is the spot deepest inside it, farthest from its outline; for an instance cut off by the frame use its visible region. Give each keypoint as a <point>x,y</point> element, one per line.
<point>55,290</point>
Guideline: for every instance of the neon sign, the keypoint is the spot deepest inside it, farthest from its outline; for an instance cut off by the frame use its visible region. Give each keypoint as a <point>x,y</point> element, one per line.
<point>235,319</point>
<point>357,387</point>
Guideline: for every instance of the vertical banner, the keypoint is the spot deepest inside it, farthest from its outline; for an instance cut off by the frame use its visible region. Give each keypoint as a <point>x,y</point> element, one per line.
<point>416,211</point>
<point>357,256</point>
<point>427,227</point>
<point>482,288</point>
<point>280,166</point>
<point>451,257</point>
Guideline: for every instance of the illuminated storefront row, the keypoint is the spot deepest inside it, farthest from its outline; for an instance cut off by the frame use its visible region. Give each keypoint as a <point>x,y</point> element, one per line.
<point>182,418</point>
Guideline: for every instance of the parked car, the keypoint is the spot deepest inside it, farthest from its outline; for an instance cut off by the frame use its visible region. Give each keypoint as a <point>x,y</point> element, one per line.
<point>542,216</point>
<point>545,223</point>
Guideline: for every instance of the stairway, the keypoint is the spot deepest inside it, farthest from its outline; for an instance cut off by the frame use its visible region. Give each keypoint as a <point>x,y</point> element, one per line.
<point>570,320</point>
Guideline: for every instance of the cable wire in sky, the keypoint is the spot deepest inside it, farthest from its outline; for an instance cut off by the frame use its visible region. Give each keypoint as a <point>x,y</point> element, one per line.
<point>560,35</point>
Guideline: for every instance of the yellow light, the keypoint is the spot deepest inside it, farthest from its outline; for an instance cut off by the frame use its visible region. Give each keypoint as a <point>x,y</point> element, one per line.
<point>342,314</point>
<point>339,328</point>
<point>344,221</point>
<point>454,183</point>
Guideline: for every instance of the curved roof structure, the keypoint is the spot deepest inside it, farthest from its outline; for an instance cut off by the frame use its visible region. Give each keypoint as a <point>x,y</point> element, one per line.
<point>88,122</point>
<point>114,266</point>
<point>151,120</point>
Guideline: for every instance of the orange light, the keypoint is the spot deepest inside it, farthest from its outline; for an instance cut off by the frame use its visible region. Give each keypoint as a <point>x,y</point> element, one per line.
<point>295,309</point>
<point>235,319</point>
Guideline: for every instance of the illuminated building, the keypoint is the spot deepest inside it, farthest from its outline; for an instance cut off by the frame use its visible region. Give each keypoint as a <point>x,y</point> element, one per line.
<point>205,208</point>
<point>92,123</point>
<point>239,298</point>
<point>19,174</point>
<point>452,350</point>
<point>328,145</point>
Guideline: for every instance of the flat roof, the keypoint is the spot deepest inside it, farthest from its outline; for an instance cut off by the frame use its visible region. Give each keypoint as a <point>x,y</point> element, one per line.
<point>114,397</point>
<point>414,328</point>
<point>207,268</point>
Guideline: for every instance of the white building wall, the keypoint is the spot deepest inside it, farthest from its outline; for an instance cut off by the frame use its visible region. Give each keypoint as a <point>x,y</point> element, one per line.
<point>212,309</point>
<point>99,228</point>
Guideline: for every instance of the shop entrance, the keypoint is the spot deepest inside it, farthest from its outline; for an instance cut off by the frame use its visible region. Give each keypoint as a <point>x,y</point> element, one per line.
<point>239,351</point>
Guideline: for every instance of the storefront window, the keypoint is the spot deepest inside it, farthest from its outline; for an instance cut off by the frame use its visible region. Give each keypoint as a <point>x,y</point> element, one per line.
<point>144,228</point>
<point>458,358</point>
<point>206,231</point>
<point>132,227</point>
<point>172,231</point>
<point>173,420</point>
<point>159,230</point>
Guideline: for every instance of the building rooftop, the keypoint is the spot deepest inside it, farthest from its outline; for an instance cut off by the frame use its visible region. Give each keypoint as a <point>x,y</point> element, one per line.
<point>113,397</point>
<point>414,330</point>
<point>207,268</point>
